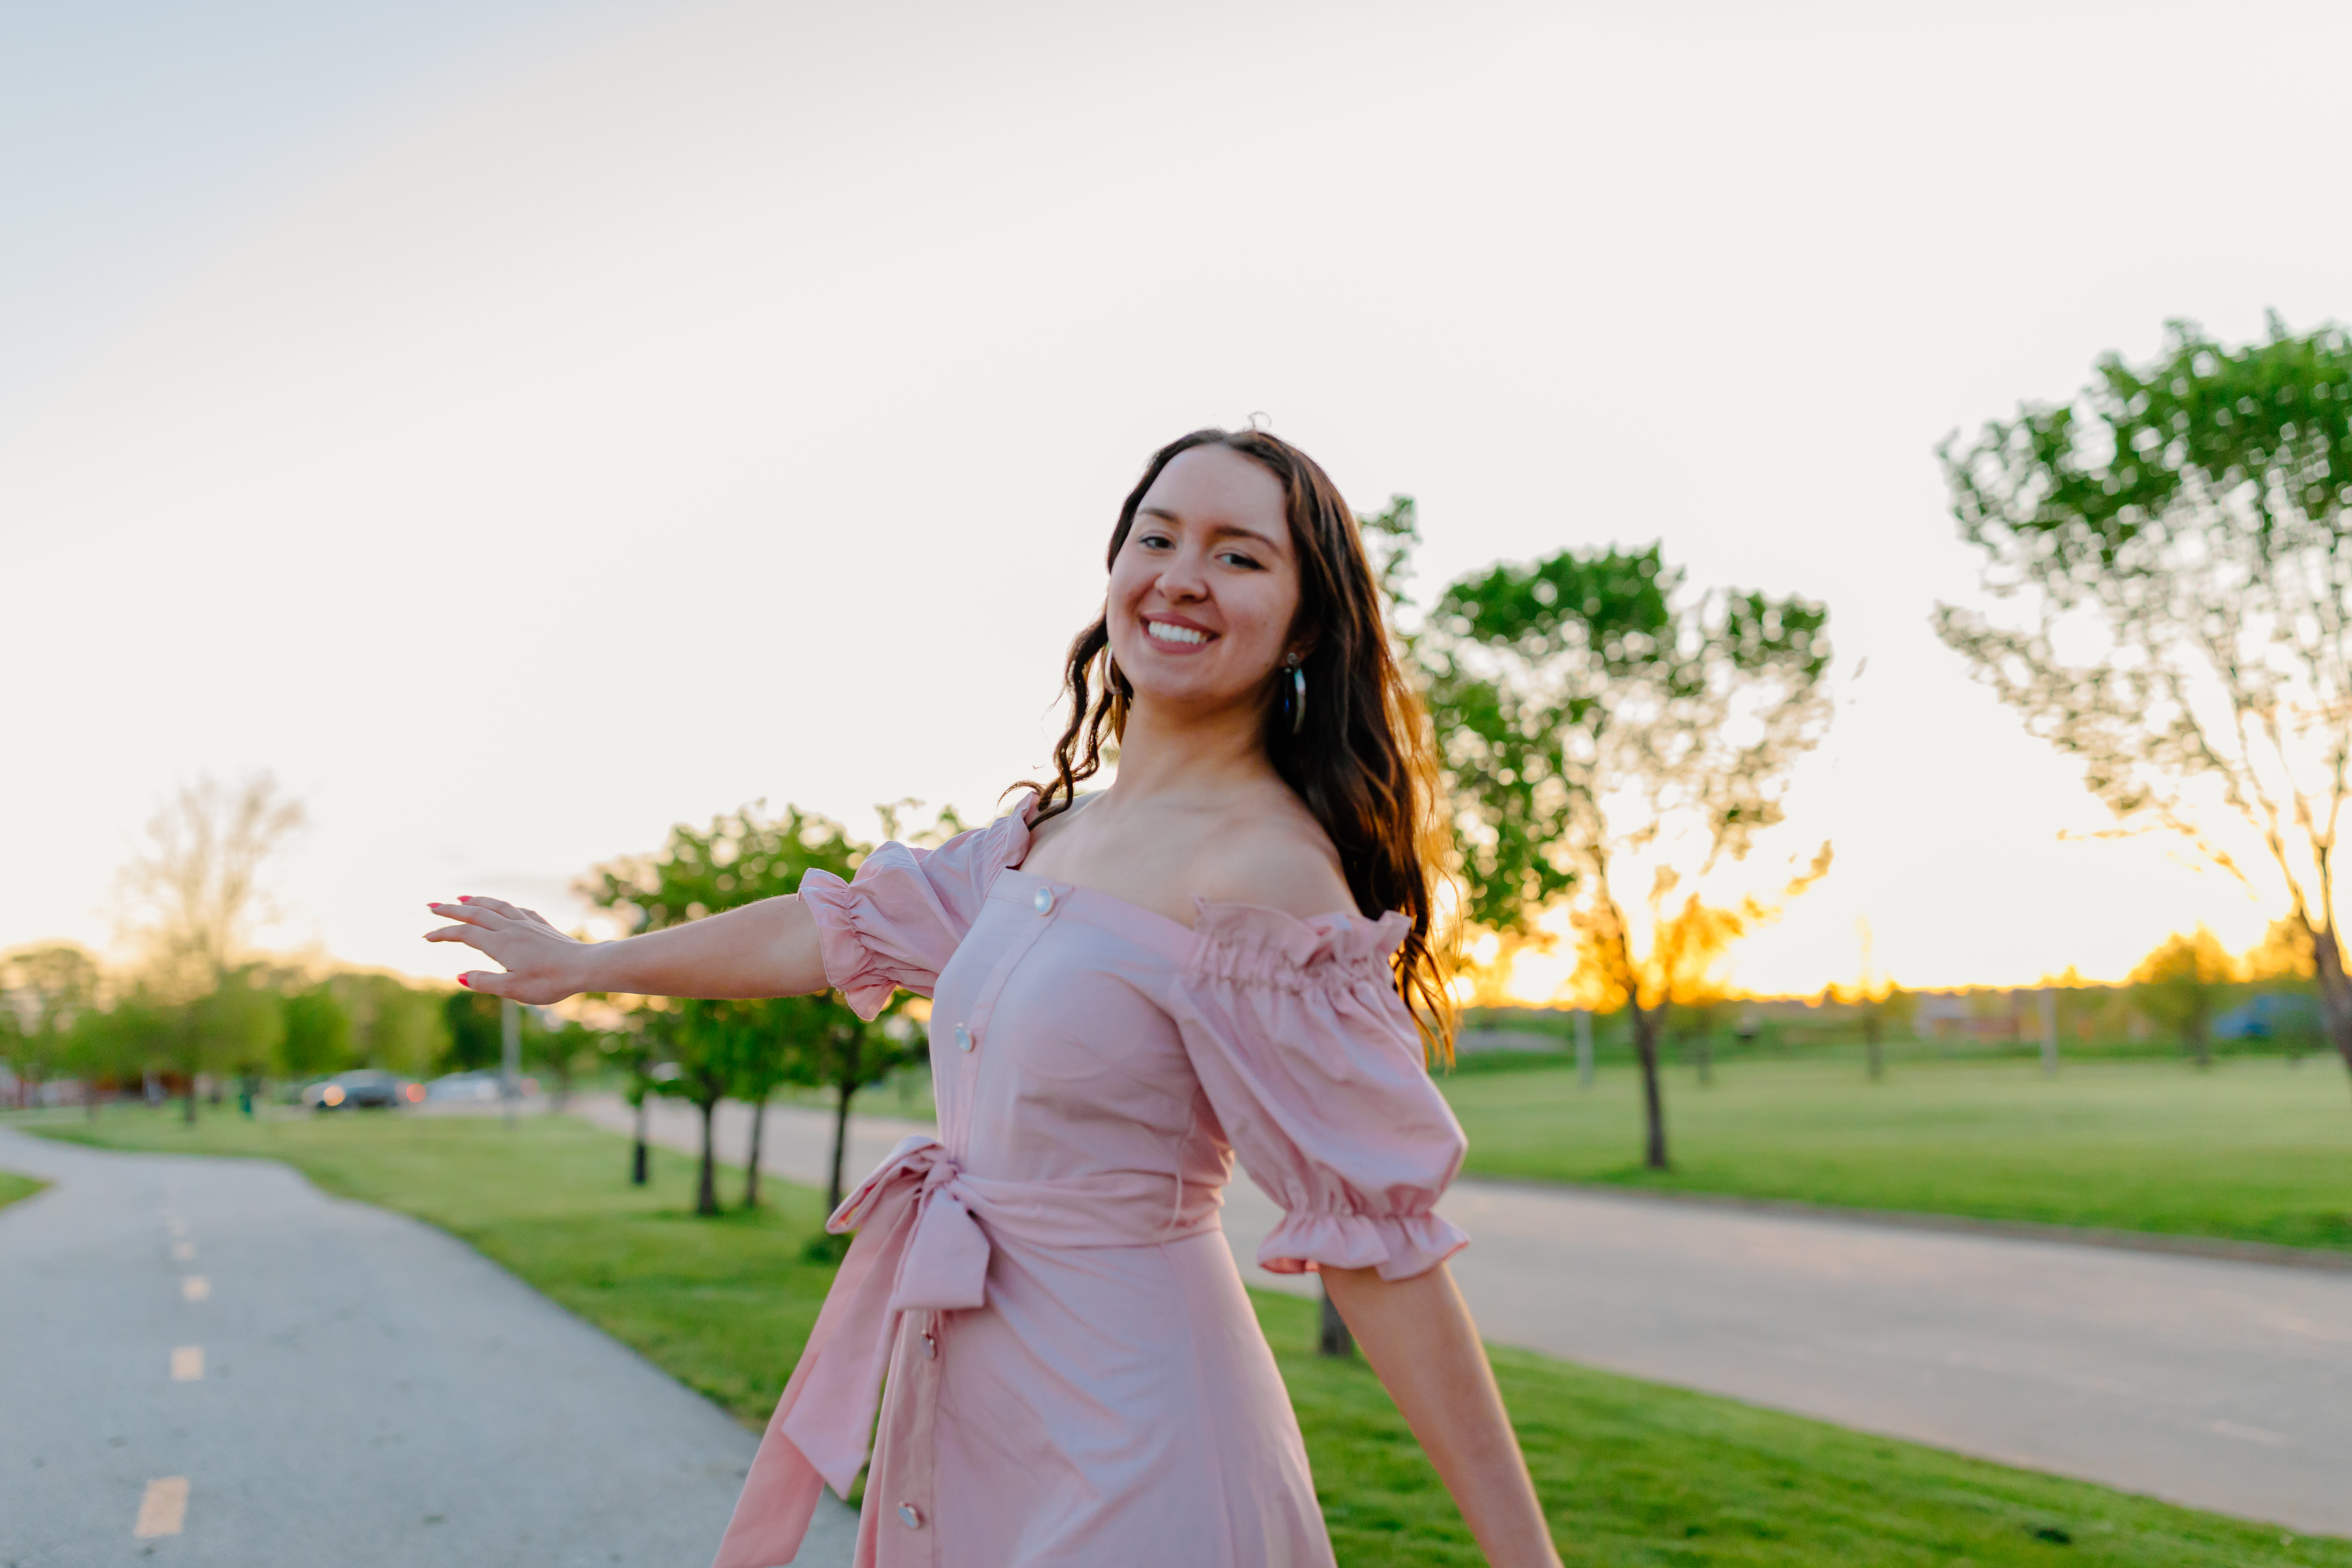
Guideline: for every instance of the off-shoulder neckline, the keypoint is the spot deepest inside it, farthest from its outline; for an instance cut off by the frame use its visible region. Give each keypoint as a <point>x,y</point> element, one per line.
<point>1210,912</point>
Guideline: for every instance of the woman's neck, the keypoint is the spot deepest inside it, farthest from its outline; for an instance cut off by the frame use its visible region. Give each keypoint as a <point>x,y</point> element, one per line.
<point>1165,753</point>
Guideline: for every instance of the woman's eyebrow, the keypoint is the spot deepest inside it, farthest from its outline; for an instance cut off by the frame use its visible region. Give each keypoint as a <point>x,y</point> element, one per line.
<point>1216,530</point>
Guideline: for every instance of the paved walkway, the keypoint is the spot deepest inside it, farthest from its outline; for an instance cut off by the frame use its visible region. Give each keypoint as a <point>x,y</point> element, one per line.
<point>2223,1385</point>
<point>211,1360</point>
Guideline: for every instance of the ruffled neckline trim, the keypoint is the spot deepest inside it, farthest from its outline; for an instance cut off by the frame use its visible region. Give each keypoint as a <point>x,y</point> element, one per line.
<point>1342,936</point>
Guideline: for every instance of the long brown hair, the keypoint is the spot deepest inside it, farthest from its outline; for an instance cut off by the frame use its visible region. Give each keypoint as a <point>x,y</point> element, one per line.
<point>1362,761</point>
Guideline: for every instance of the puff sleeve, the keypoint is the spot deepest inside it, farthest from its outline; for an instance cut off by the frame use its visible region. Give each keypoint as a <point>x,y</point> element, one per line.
<point>898,921</point>
<point>1312,1064</point>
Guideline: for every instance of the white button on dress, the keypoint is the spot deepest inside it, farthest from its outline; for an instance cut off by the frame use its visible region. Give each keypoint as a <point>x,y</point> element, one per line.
<point>910,1516</point>
<point>962,1039</point>
<point>1044,901</point>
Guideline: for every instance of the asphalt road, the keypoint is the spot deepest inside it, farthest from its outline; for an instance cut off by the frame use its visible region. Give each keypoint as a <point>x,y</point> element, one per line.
<point>2223,1385</point>
<point>209,1361</point>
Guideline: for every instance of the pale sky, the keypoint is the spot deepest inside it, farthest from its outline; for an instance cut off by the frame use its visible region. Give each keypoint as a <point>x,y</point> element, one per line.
<point>524,425</point>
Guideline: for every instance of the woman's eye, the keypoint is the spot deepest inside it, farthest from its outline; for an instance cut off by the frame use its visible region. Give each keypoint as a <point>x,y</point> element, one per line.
<point>1235,558</point>
<point>1153,541</point>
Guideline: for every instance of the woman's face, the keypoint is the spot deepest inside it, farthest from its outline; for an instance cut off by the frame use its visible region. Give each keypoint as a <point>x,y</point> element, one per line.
<point>1203,592</point>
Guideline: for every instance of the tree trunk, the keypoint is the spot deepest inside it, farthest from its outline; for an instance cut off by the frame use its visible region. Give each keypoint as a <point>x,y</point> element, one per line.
<point>752,1170</point>
<point>847,1088</point>
<point>706,1197</point>
<point>1334,1339</point>
<point>2335,990</point>
<point>637,1159</point>
<point>1647,1022</point>
<point>1874,1042</point>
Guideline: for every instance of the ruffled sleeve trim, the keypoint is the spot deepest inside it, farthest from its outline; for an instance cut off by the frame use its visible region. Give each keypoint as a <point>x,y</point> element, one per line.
<point>1399,1246</point>
<point>892,925</point>
<point>850,967</point>
<point>1251,944</point>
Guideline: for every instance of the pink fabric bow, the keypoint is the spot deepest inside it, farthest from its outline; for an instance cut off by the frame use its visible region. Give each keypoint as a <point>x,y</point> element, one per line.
<point>917,1247</point>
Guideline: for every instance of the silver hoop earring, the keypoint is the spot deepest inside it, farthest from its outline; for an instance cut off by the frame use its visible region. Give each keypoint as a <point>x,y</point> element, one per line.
<point>1297,698</point>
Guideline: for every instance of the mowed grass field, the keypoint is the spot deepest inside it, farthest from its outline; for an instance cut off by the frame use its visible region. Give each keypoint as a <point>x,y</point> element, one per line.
<point>1631,1473</point>
<point>2250,1150</point>
<point>14,1186</point>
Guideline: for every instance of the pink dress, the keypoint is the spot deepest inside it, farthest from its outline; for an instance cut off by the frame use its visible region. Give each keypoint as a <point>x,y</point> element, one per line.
<point>1075,1373</point>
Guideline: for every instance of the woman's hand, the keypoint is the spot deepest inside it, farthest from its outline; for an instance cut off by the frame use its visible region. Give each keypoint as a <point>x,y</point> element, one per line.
<point>542,963</point>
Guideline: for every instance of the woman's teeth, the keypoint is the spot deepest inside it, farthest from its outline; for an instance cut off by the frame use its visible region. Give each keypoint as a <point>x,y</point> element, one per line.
<point>1161,631</point>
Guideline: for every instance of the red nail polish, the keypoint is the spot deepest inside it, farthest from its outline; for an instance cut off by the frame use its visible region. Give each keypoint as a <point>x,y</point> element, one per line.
<point>465,898</point>
<point>466,983</point>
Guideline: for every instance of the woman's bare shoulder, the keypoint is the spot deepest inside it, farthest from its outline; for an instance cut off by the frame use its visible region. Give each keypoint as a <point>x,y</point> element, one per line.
<point>1279,860</point>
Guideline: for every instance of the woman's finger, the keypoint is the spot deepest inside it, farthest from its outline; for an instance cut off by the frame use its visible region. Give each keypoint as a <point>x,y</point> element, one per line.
<point>488,981</point>
<point>472,936</point>
<point>496,907</point>
<point>473,914</point>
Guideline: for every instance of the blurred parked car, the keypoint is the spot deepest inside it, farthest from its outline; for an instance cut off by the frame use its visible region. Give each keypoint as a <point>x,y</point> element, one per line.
<point>482,1084</point>
<point>364,1089</point>
<point>463,1086</point>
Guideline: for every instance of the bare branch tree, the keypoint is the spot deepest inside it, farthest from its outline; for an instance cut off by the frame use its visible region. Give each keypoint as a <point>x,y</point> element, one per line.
<point>2177,542</point>
<point>194,893</point>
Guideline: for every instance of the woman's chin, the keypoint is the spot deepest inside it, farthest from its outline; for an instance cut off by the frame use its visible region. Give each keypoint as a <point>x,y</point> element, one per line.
<point>1188,701</point>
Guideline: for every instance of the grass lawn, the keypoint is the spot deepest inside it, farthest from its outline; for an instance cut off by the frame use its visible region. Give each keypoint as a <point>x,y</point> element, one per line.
<point>14,1186</point>
<point>1633,1473</point>
<point>2252,1150</point>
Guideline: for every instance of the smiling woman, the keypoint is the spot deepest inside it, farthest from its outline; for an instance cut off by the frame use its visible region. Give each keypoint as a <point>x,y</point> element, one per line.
<point>1225,951</point>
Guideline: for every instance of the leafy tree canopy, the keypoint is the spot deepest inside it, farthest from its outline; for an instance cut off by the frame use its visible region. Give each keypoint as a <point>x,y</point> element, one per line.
<point>2174,541</point>
<point>1599,721</point>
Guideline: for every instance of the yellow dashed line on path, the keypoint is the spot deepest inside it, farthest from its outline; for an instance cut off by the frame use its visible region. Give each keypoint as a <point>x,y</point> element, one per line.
<point>187,1364</point>
<point>194,1287</point>
<point>164,1509</point>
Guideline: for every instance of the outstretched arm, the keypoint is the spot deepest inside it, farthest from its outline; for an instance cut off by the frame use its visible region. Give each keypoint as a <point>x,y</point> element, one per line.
<point>767,948</point>
<point>1418,1336</point>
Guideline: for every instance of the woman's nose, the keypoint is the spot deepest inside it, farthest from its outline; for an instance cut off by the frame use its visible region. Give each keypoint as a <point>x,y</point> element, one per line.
<point>1183,578</point>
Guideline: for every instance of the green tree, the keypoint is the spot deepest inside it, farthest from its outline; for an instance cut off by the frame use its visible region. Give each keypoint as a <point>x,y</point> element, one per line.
<point>240,1021</point>
<point>471,1023</point>
<point>2179,987</point>
<point>2174,543</point>
<point>747,1049</point>
<point>318,1037</point>
<point>624,1042</point>
<point>133,1037</point>
<point>703,1043</point>
<point>43,991</point>
<point>558,1047</point>
<point>1611,741</point>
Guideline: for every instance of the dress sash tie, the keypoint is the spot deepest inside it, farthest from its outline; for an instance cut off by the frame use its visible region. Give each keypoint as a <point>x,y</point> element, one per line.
<point>917,1248</point>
